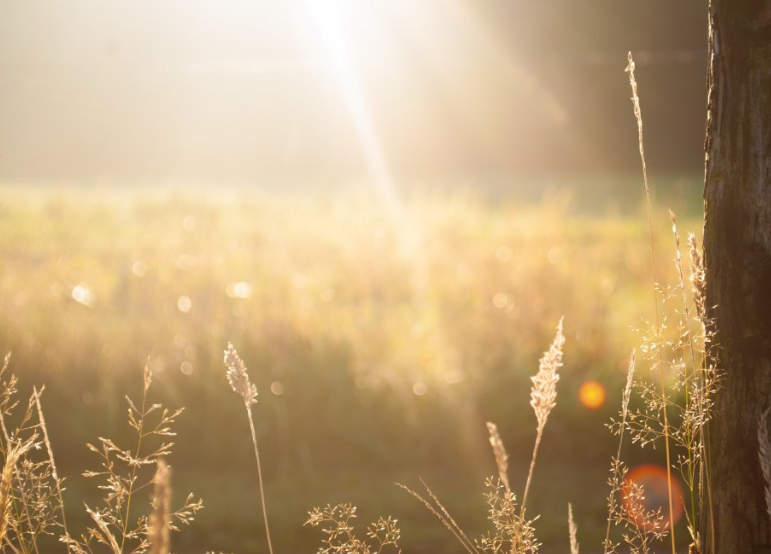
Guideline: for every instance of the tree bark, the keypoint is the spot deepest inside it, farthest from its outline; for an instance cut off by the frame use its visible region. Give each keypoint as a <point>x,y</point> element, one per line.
<point>737,246</point>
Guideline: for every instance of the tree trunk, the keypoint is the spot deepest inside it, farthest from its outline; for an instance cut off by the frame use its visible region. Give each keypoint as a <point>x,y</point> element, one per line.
<point>737,246</point>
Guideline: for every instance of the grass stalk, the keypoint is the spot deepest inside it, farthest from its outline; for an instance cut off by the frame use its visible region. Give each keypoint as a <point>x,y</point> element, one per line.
<point>638,117</point>
<point>443,516</point>
<point>624,411</point>
<point>54,473</point>
<point>543,398</point>
<point>140,435</point>
<point>689,431</point>
<point>259,477</point>
<point>239,380</point>
<point>530,472</point>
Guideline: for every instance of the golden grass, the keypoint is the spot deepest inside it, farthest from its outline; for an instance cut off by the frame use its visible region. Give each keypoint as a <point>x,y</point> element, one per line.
<point>638,117</point>
<point>543,397</point>
<point>239,381</point>
<point>572,531</point>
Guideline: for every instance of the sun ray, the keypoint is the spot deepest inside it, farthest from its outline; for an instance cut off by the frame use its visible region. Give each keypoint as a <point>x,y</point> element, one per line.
<point>328,22</point>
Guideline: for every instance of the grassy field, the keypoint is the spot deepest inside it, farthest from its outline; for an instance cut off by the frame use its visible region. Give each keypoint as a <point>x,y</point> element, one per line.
<point>380,341</point>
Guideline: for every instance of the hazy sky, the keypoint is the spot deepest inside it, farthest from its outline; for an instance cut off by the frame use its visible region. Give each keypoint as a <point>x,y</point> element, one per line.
<point>250,90</point>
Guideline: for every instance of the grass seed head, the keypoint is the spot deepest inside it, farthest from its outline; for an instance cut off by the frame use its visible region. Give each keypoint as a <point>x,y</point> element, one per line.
<point>501,456</point>
<point>543,394</point>
<point>572,531</point>
<point>238,377</point>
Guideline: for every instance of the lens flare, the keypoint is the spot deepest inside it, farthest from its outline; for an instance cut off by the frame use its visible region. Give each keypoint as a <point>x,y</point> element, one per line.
<point>653,481</point>
<point>592,395</point>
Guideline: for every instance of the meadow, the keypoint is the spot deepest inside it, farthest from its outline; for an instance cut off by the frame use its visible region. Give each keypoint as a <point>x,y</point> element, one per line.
<point>380,341</point>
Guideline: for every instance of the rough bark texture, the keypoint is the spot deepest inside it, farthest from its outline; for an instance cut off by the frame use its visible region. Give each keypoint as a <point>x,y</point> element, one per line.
<point>737,244</point>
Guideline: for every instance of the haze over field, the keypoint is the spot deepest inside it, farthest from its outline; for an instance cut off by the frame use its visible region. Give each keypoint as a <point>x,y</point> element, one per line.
<point>262,91</point>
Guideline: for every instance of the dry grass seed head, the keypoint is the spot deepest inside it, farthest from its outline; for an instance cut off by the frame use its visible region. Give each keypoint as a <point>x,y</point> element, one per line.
<point>238,376</point>
<point>543,393</point>
<point>572,531</point>
<point>12,457</point>
<point>697,277</point>
<point>628,387</point>
<point>501,456</point>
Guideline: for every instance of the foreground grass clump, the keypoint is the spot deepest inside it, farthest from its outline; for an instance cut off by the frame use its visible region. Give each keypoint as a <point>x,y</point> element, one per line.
<point>32,507</point>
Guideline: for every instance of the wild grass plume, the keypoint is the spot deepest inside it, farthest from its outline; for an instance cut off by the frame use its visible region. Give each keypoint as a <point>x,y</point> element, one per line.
<point>501,456</point>
<point>638,117</point>
<point>572,531</point>
<point>513,533</point>
<point>238,376</point>
<point>543,396</point>
<point>239,380</point>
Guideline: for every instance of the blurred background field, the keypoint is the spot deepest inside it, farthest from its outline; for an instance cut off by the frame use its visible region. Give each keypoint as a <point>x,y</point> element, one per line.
<point>380,342</point>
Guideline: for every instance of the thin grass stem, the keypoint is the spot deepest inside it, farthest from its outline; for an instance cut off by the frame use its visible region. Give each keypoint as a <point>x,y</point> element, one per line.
<point>689,431</point>
<point>50,451</point>
<point>259,476</point>
<point>638,117</point>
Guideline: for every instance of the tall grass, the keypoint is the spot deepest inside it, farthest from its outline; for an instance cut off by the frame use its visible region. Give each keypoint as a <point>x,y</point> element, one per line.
<point>31,500</point>
<point>638,117</point>
<point>239,381</point>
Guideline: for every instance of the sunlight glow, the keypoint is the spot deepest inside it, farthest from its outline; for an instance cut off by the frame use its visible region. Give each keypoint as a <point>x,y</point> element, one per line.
<point>327,17</point>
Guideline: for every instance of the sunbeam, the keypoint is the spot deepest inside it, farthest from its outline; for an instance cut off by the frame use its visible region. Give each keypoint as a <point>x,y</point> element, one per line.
<point>328,21</point>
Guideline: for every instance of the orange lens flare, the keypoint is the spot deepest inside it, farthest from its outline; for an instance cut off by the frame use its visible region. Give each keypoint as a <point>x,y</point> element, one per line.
<point>645,491</point>
<point>591,394</point>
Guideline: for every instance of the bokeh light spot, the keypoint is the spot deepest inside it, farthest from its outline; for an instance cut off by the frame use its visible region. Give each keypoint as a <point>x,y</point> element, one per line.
<point>500,300</point>
<point>277,388</point>
<point>240,289</point>
<point>184,304</point>
<point>652,479</point>
<point>82,295</point>
<point>139,268</point>
<point>419,388</point>
<point>189,223</point>
<point>591,394</point>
